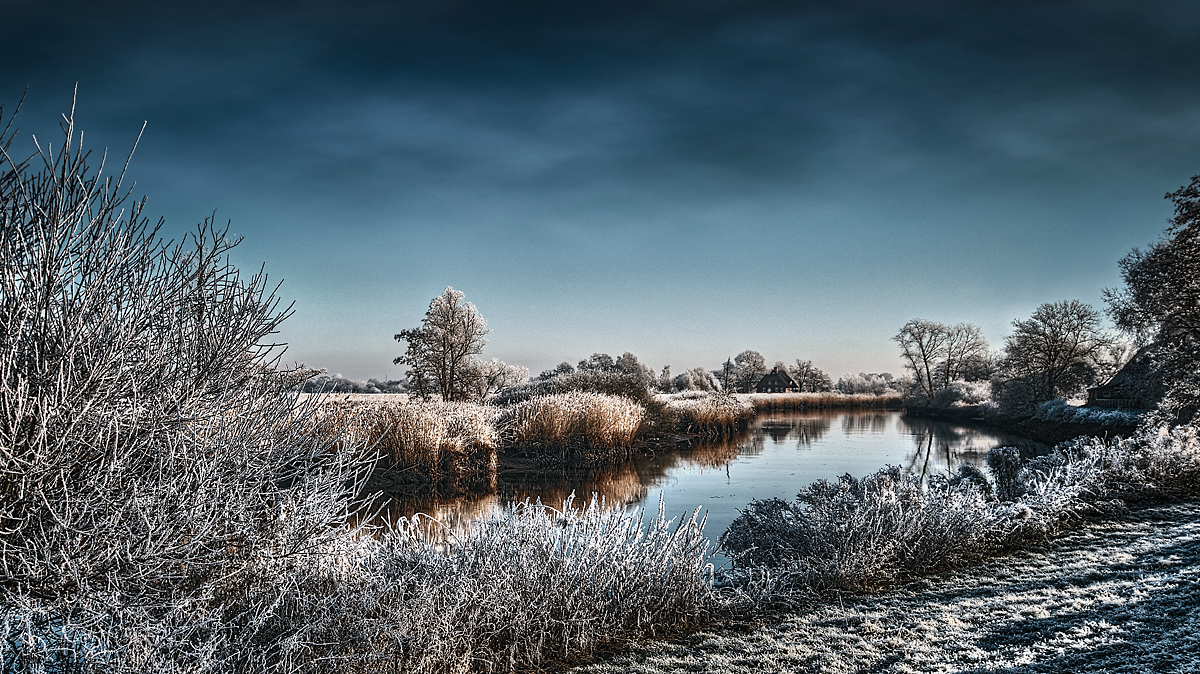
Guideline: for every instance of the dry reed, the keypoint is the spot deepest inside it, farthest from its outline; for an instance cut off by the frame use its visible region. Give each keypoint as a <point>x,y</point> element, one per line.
<point>798,402</point>
<point>450,445</point>
<point>590,426</point>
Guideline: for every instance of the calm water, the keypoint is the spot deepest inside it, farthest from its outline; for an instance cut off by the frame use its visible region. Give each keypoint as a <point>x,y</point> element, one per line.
<point>780,454</point>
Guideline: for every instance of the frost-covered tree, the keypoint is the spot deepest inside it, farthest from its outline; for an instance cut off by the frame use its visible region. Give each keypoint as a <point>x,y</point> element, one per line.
<point>597,362</point>
<point>1055,353</point>
<point>560,369</point>
<point>1161,302</point>
<point>809,377</point>
<point>695,379</point>
<point>664,382</point>
<point>629,364</point>
<point>441,351</point>
<point>749,367</point>
<point>486,377</point>
<point>938,354</point>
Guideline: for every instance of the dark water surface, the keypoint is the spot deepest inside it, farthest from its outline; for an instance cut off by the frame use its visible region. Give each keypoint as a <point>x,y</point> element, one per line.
<point>780,454</point>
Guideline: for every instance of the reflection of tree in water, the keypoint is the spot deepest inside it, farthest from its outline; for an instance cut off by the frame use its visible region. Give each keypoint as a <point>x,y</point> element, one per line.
<point>864,423</point>
<point>805,429</point>
<point>941,447</point>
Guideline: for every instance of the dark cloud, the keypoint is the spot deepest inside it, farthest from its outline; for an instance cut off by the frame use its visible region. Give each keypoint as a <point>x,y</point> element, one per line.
<point>544,127</point>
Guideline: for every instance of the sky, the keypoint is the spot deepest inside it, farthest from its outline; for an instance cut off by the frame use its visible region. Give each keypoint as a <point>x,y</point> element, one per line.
<point>681,180</point>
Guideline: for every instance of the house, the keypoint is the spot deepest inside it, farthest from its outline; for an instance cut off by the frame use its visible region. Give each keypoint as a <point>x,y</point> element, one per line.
<point>1135,386</point>
<point>777,381</point>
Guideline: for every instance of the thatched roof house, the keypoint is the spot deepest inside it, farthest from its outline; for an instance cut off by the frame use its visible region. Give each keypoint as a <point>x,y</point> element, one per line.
<point>777,381</point>
<point>1135,386</point>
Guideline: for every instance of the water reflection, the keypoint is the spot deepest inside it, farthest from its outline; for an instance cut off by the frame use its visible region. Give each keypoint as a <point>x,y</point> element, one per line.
<point>777,456</point>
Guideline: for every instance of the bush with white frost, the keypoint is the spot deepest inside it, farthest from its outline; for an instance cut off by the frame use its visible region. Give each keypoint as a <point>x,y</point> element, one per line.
<point>169,503</point>
<point>861,533</point>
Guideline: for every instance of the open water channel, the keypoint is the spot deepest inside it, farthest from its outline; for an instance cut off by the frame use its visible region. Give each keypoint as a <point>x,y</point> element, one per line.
<point>778,455</point>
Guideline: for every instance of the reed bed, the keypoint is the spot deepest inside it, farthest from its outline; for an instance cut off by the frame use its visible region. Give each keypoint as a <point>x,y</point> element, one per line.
<point>593,427</point>
<point>450,445</point>
<point>799,402</point>
<point>710,415</point>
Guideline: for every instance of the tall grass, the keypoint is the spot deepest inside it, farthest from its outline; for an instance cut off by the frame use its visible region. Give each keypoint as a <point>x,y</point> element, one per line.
<point>798,402</point>
<point>451,446</point>
<point>710,415</point>
<point>592,427</point>
<point>857,534</point>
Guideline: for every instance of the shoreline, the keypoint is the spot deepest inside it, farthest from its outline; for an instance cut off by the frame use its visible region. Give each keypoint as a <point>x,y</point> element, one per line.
<point>1120,593</point>
<point>1038,430</point>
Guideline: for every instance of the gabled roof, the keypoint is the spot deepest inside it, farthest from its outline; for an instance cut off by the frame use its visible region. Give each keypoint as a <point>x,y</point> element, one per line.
<point>1133,370</point>
<point>781,374</point>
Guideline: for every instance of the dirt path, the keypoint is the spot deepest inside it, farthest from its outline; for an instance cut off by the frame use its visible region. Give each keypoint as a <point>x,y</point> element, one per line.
<point>1116,596</point>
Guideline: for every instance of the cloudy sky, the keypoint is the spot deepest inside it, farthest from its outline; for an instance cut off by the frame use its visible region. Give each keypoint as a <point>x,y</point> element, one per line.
<point>679,179</point>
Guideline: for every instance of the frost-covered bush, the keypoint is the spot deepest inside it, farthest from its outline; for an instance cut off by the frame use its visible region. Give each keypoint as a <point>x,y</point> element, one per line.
<point>869,383</point>
<point>884,528</point>
<point>159,485</point>
<point>521,588</point>
<point>1062,411</point>
<point>962,392</point>
<point>861,533</point>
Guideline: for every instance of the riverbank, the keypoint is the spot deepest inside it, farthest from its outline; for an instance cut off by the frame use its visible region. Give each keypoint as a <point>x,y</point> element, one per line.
<point>1040,430</point>
<point>1117,595</point>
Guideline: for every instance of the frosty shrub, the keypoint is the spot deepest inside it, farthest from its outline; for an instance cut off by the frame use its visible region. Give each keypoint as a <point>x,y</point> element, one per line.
<point>589,426</point>
<point>1061,411</point>
<point>962,392</point>
<point>863,533</point>
<point>161,492</point>
<point>524,587</point>
<point>884,528</point>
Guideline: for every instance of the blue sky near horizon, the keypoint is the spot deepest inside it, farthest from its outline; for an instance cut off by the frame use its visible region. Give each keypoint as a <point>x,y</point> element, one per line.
<point>683,180</point>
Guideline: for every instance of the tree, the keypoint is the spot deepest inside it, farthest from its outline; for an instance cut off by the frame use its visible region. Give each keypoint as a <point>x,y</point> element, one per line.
<point>559,370</point>
<point>748,368</point>
<point>598,362</point>
<point>485,377</point>
<point>923,347</point>
<point>1161,302</point>
<point>938,354</point>
<point>440,352</point>
<point>809,377</point>
<point>1055,353</point>
<point>629,364</point>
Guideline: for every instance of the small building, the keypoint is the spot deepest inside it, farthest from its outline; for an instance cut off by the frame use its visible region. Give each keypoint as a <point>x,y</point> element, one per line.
<point>777,381</point>
<point>1132,387</point>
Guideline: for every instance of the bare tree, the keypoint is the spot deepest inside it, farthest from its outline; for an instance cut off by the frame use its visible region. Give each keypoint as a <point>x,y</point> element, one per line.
<point>923,346</point>
<point>1055,353</point>
<point>809,377</point>
<point>441,351</point>
<point>749,367</point>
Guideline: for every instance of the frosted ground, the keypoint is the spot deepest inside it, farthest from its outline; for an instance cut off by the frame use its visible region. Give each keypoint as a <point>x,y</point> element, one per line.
<point>1120,595</point>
